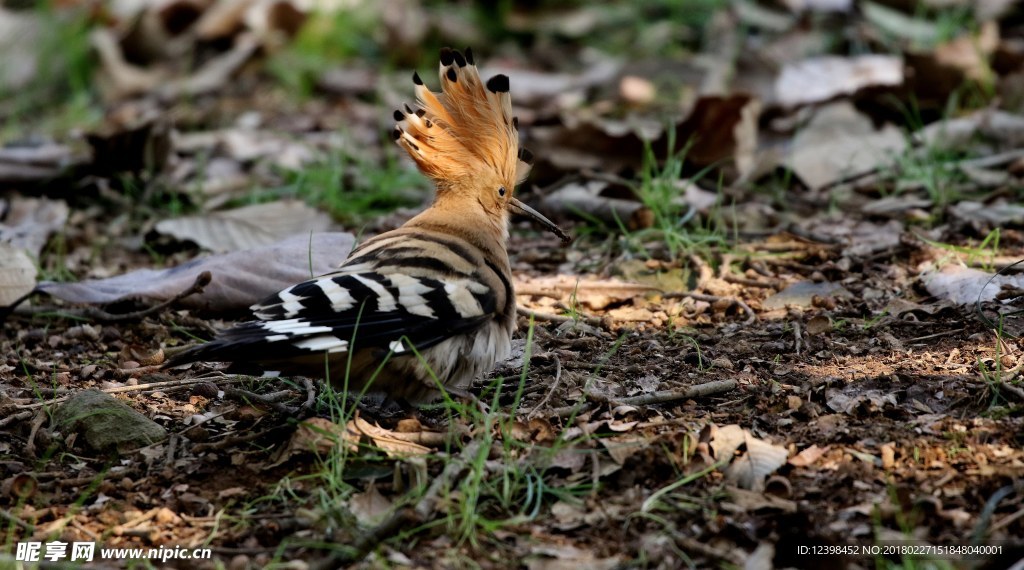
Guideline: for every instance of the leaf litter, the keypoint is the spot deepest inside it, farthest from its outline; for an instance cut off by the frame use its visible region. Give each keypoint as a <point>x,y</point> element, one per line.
<point>809,336</point>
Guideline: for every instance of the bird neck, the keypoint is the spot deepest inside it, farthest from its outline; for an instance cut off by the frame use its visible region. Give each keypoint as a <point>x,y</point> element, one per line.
<point>460,215</point>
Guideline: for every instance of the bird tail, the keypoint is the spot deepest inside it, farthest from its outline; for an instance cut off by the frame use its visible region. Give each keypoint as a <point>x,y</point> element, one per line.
<point>466,128</point>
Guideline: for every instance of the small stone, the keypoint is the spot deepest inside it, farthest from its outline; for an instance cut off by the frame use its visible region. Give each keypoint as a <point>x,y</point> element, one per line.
<point>239,562</point>
<point>107,424</point>
<point>83,332</point>
<point>165,516</point>
<point>723,363</point>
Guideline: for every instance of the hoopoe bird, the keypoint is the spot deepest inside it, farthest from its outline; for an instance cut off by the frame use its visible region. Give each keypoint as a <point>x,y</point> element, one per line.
<point>430,303</point>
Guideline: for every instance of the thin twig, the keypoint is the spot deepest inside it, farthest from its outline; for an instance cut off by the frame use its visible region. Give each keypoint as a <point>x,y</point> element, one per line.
<point>664,396</point>
<point>267,400</point>
<point>574,410</point>
<point>549,318</point>
<point>15,520</point>
<point>551,391</point>
<point>234,440</point>
<point>310,395</point>
<point>1016,391</point>
<point>139,387</point>
<point>746,282</point>
<point>30,447</point>
<point>16,418</point>
<point>798,339</point>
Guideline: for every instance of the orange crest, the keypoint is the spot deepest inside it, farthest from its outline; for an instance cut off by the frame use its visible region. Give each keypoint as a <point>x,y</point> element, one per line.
<point>466,130</point>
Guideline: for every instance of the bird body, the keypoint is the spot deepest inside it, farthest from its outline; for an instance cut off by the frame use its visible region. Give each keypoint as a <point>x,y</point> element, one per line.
<point>426,305</point>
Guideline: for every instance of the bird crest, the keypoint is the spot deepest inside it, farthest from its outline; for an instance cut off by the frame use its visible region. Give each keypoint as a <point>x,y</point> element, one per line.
<point>465,130</point>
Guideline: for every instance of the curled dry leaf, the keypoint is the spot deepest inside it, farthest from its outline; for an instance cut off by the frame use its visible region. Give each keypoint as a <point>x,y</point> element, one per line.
<point>239,279</point>
<point>750,468</point>
<point>393,444</point>
<point>17,274</point>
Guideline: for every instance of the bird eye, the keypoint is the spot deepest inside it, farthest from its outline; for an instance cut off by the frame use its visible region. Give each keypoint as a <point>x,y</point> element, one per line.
<point>501,191</point>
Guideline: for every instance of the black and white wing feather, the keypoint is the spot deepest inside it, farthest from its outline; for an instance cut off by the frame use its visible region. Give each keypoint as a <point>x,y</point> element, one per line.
<point>347,311</point>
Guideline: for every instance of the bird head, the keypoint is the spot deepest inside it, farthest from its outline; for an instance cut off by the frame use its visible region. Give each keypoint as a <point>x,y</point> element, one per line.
<point>466,140</point>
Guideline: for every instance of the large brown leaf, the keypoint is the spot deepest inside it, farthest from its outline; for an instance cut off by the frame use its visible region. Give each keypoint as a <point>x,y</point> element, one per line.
<point>240,279</point>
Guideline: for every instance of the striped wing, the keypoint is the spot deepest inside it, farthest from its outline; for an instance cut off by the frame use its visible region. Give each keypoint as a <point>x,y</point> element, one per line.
<point>347,311</point>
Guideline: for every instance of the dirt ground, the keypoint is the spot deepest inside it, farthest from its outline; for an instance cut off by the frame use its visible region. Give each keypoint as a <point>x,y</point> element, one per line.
<point>892,432</point>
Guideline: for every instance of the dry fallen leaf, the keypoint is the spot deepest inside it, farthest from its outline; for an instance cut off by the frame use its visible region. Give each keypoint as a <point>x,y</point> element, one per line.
<point>239,279</point>
<point>370,507</point>
<point>589,200</point>
<point>999,214</point>
<point>957,133</point>
<point>757,461</point>
<point>566,557</point>
<point>852,399</point>
<point>17,274</point>
<point>247,227</point>
<point>970,53</point>
<point>28,222</point>
<point>840,142</point>
<point>822,78</point>
<point>819,5</point>
<point>318,435</point>
<point>622,448</point>
<point>387,440</point>
<point>966,286</point>
<point>802,293</point>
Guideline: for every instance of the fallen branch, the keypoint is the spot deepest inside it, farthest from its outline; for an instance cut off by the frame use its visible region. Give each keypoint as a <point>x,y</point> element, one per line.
<point>663,396</point>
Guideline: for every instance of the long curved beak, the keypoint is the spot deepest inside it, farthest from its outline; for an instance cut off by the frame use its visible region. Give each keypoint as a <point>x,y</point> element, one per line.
<point>520,208</point>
